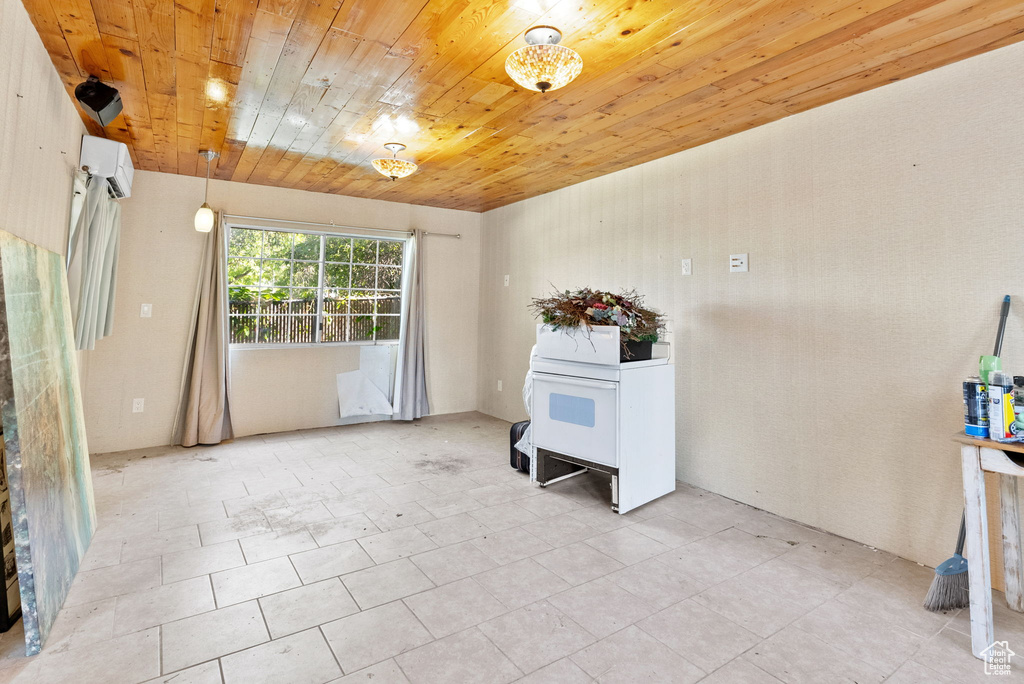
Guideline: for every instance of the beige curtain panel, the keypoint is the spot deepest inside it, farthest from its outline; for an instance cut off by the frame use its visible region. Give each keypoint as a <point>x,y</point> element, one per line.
<point>204,416</point>
<point>411,380</point>
<point>92,264</point>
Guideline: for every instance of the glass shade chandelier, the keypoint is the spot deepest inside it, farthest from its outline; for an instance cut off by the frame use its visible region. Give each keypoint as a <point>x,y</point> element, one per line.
<point>543,64</point>
<point>204,216</point>
<point>393,167</point>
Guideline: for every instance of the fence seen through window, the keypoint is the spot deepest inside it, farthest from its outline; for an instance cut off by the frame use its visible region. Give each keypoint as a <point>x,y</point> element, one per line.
<point>300,288</point>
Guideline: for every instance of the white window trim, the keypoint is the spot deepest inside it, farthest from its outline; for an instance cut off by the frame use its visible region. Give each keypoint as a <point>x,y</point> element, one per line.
<point>324,230</point>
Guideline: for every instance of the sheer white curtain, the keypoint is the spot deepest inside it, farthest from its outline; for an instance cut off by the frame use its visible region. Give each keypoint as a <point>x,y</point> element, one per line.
<point>411,378</point>
<point>203,415</point>
<point>92,264</point>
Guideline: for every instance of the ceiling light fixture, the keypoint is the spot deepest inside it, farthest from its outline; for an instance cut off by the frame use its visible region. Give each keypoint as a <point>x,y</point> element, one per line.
<point>543,65</point>
<point>204,216</point>
<point>216,90</point>
<point>394,168</point>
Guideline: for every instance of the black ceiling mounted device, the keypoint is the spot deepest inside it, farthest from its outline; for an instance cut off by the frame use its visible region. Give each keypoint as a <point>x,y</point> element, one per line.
<point>100,101</point>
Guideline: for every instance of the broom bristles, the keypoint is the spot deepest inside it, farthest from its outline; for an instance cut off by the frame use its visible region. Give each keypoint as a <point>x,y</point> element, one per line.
<point>948,592</point>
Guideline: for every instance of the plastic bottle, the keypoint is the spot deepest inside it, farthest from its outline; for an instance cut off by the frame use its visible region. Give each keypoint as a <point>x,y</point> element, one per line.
<point>1000,407</point>
<point>1018,406</point>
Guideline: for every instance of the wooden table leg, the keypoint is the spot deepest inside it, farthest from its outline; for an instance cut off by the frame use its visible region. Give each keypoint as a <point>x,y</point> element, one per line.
<point>1010,513</point>
<point>977,550</point>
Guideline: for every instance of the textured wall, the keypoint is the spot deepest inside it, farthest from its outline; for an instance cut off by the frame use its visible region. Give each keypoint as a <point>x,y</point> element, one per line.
<point>883,231</point>
<point>160,253</point>
<point>40,136</point>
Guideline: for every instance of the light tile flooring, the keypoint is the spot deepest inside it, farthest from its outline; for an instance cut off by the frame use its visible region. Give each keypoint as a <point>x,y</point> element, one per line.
<point>396,552</point>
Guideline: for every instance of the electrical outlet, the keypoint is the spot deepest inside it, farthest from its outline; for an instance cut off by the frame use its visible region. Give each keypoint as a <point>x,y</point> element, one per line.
<point>147,311</point>
<point>506,281</point>
<point>138,405</point>
<point>738,263</point>
<point>687,267</point>
<point>499,385</point>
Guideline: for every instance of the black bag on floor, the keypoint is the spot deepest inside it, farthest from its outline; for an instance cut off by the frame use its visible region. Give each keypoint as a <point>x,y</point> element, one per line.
<point>517,458</point>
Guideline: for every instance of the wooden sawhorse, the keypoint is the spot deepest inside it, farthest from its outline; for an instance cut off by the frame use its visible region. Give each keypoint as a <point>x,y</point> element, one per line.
<point>980,456</point>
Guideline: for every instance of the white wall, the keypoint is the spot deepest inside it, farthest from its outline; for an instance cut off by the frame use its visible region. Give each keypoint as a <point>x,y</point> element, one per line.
<point>272,390</point>
<point>40,136</point>
<point>824,385</point>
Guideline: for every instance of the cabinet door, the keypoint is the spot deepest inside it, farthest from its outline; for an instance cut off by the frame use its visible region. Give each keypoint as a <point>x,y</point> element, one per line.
<point>576,417</point>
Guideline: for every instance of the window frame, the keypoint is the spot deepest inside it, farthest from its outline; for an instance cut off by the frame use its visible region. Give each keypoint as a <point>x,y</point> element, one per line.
<point>298,227</point>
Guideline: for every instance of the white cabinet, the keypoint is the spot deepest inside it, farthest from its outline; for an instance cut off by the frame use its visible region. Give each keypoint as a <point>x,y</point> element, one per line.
<point>613,417</point>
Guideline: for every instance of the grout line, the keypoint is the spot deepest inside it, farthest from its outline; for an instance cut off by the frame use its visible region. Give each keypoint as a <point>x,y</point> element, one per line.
<point>330,648</point>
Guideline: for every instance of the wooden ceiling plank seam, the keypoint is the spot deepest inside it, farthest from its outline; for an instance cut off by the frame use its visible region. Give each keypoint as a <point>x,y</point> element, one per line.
<point>879,52</point>
<point>384,25</point>
<point>266,43</point>
<point>286,9</point>
<point>217,112</point>
<point>154,23</point>
<point>671,108</point>
<point>48,27</point>
<point>844,35</point>
<point>334,137</point>
<point>308,31</point>
<point>126,72</point>
<point>231,29</point>
<point>116,18</point>
<point>78,24</point>
<point>444,74</point>
<point>860,70</point>
<point>911,64</point>
<point>332,119</point>
<point>193,43</point>
<point>326,66</point>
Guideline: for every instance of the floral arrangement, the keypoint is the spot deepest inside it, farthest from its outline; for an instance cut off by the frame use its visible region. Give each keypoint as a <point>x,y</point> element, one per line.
<point>588,308</point>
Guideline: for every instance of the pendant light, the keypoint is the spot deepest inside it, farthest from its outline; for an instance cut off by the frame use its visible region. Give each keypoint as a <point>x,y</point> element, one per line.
<point>204,216</point>
<point>394,168</point>
<point>543,64</point>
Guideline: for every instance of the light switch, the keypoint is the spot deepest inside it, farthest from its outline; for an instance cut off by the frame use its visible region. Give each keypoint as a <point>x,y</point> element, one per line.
<point>499,385</point>
<point>738,263</point>
<point>506,281</point>
<point>147,311</point>
<point>687,267</point>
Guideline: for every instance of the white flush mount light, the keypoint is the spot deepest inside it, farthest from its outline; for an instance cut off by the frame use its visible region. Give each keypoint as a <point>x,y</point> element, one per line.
<point>393,167</point>
<point>204,216</point>
<point>543,64</point>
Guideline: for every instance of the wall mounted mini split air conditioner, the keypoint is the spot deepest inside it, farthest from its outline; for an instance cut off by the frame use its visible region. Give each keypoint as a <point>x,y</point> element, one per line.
<point>109,159</point>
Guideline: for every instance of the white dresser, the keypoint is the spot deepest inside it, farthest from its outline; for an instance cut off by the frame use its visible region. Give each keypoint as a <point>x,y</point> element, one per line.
<point>591,412</point>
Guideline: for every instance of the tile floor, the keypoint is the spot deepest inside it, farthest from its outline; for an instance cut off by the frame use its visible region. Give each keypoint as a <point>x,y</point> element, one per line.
<point>412,553</point>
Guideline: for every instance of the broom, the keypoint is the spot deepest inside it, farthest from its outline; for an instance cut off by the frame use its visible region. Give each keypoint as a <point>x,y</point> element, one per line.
<point>949,586</point>
<point>949,589</point>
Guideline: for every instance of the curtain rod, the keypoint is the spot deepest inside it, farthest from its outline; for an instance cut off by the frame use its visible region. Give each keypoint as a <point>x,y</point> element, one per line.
<point>335,226</point>
<point>332,224</point>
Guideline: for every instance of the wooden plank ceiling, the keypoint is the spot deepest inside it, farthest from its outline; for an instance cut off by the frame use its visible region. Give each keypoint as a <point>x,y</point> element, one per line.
<point>304,93</point>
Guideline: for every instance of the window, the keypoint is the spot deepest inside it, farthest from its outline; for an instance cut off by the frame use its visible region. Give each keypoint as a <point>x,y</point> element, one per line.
<point>300,288</point>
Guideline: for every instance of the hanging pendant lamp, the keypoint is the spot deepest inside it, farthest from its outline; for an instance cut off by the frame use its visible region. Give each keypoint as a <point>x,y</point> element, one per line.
<point>543,65</point>
<point>394,168</point>
<point>204,216</point>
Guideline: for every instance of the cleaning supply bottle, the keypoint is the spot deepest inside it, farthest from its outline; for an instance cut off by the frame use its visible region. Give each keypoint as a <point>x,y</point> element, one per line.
<point>987,365</point>
<point>1000,407</point>
<point>1018,406</point>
